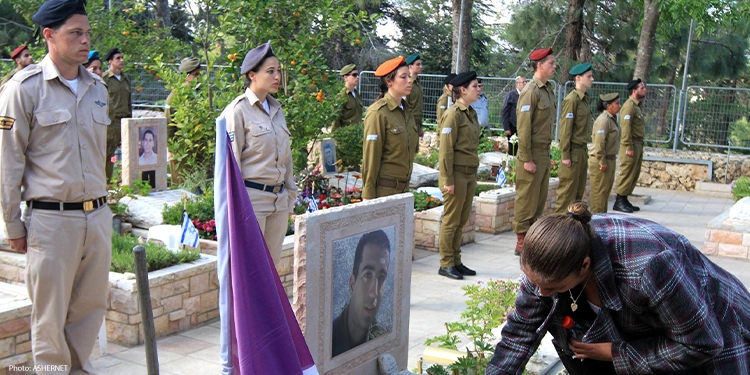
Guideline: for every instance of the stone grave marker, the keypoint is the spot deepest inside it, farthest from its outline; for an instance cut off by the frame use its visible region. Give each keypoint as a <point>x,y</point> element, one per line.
<point>144,151</point>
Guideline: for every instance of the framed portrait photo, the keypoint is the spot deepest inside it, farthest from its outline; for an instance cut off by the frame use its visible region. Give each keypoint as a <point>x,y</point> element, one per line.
<point>144,151</point>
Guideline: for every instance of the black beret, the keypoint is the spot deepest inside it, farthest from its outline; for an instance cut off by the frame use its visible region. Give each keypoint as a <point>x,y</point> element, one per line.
<point>633,84</point>
<point>111,54</point>
<point>463,78</point>
<point>54,12</point>
<point>449,78</point>
<point>255,57</point>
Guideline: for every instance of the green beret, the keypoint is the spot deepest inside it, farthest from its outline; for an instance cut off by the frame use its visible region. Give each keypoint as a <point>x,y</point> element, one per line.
<point>189,64</point>
<point>580,69</point>
<point>412,58</point>
<point>609,97</point>
<point>347,69</point>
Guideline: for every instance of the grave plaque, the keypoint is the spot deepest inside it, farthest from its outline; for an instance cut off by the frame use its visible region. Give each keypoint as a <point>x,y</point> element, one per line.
<point>144,151</point>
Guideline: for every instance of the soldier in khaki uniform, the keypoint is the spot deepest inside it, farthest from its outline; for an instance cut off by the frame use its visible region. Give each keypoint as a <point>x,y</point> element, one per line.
<point>633,130</point>
<point>444,101</point>
<point>261,145</point>
<point>391,137</point>
<point>22,57</point>
<point>459,137</point>
<point>603,156</point>
<point>416,97</point>
<point>191,66</point>
<point>53,121</point>
<point>120,101</point>
<point>351,110</point>
<point>535,115</point>
<point>575,134</point>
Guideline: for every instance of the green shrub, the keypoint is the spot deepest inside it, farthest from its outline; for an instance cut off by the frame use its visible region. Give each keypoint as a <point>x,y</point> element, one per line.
<point>430,160</point>
<point>741,188</point>
<point>200,209</point>
<point>555,156</point>
<point>484,187</point>
<point>485,144</point>
<point>424,201</point>
<point>349,145</point>
<point>157,256</point>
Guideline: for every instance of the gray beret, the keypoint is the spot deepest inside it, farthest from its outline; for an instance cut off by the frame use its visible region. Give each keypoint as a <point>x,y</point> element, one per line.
<point>55,12</point>
<point>255,57</point>
<point>189,64</point>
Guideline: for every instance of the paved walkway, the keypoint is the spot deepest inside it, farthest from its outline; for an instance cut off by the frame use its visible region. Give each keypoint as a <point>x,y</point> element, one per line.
<point>434,299</point>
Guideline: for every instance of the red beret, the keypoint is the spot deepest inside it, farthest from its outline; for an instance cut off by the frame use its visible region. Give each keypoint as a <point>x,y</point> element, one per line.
<point>389,66</point>
<point>539,54</point>
<point>18,51</point>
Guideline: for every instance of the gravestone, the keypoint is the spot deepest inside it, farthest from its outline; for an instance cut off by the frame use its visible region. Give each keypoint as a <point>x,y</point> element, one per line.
<point>144,151</point>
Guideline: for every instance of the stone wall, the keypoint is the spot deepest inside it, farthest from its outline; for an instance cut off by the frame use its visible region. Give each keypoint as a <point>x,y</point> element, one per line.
<point>728,234</point>
<point>427,228</point>
<point>495,208</point>
<point>15,336</point>
<point>182,297</point>
<point>682,176</point>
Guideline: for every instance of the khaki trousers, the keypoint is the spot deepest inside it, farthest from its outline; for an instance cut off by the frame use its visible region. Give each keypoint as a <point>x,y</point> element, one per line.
<point>67,276</point>
<point>601,184</point>
<point>630,169</point>
<point>113,141</point>
<point>272,212</point>
<point>456,211</point>
<point>572,180</point>
<point>531,191</point>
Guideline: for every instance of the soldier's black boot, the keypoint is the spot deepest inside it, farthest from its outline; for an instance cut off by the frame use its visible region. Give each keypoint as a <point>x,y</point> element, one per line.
<point>621,205</point>
<point>634,208</point>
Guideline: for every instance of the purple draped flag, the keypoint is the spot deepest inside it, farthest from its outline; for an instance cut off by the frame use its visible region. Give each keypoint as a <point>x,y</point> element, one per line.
<point>265,336</point>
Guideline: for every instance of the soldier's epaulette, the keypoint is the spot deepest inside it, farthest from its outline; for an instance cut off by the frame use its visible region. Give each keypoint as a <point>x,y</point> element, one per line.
<point>380,103</point>
<point>26,73</point>
<point>236,101</point>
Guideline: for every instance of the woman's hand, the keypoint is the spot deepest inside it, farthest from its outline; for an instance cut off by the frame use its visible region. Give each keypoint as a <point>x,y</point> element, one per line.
<point>449,189</point>
<point>529,166</point>
<point>599,351</point>
<point>602,167</point>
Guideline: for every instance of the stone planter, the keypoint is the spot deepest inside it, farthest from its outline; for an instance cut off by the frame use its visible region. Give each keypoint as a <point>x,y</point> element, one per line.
<point>427,228</point>
<point>728,234</point>
<point>182,297</point>
<point>15,336</point>
<point>284,268</point>
<point>495,208</point>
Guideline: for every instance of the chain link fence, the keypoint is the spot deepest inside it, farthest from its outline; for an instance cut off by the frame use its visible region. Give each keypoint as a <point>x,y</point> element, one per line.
<point>716,117</point>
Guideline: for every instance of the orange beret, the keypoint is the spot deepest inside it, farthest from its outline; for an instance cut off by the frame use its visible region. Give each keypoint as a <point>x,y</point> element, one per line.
<point>389,66</point>
<point>539,54</point>
<point>18,51</point>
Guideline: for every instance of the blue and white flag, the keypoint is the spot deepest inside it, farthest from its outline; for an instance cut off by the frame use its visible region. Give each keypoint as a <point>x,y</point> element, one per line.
<point>501,179</point>
<point>312,206</point>
<point>189,235</point>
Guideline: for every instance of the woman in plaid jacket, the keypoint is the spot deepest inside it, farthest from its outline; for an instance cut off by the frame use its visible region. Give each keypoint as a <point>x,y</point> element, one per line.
<point>623,295</point>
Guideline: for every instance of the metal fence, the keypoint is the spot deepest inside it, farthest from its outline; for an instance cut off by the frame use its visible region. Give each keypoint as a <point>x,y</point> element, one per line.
<point>716,117</point>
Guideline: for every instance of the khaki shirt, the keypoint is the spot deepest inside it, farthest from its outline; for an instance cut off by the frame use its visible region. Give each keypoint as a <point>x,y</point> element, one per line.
<point>535,115</point>
<point>9,75</point>
<point>441,106</point>
<point>459,138</point>
<point>606,138</point>
<point>416,101</point>
<point>390,141</point>
<point>351,110</point>
<point>52,142</point>
<point>632,124</point>
<point>260,142</point>
<point>576,119</point>
<point>121,102</point>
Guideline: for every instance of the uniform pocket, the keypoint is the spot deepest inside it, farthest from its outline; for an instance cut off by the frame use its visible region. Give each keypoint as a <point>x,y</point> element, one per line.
<point>543,104</point>
<point>100,117</point>
<point>50,135</point>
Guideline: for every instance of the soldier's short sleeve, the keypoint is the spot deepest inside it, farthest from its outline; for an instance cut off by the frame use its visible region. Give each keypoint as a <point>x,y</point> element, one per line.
<point>236,129</point>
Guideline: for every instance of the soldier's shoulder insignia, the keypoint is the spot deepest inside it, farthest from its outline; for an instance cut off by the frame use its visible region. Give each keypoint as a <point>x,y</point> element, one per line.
<point>100,103</point>
<point>6,123</point>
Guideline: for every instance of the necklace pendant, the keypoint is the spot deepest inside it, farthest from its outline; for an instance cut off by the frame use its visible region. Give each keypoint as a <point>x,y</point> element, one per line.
<point>574,306</point>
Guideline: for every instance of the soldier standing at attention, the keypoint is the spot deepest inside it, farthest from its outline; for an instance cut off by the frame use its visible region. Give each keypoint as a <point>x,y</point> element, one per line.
<point>576,120</point>
<point>603,156</point>
<point>351,110</point>
<point>22,58</point>
<point>509,112</point>
<point>459,137</point>
<point>536,116</point>
<point>416,97</point>
<point>444,101</point>
<point>633,130</point>
<point>391,136</point>
<point>191,66</point>
<point>53,125</point>
<point>120,101</point>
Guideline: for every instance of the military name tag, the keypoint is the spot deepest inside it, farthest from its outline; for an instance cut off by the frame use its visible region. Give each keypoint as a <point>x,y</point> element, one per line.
<point>627,117</point>
<point>6,123</point>
<point>525,108</point>
<point>569,115</point>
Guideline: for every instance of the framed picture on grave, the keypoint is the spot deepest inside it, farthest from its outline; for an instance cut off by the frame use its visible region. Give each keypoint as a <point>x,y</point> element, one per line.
<point>144,151</point>
<point>352,283</point>
<point>328,155</point>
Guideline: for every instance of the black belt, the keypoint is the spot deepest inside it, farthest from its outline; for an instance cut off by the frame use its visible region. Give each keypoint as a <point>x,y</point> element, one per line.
<point>269,188</point>
<point>464,169</point>
<point>611,157</point>
<point>85,206</point>
<point>395,184</point>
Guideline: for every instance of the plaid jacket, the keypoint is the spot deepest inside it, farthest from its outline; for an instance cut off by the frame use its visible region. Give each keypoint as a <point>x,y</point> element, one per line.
<point>664,306</point>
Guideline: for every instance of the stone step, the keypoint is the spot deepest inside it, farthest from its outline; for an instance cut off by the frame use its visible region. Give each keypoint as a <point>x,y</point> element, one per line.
<point>713,189</point>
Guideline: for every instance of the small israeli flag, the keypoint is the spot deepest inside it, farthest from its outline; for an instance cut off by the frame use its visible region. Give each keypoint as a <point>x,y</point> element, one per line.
<point>313,205</point>
<point>189,235</point>
<point>501,179</point>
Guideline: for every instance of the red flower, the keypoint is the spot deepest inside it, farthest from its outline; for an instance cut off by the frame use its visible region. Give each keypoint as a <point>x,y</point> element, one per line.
<point>113,159</point>
<point>554,162</point>
<point>322,197</point>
